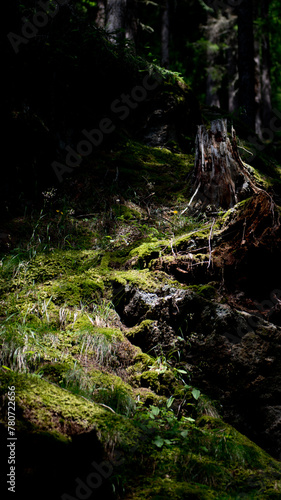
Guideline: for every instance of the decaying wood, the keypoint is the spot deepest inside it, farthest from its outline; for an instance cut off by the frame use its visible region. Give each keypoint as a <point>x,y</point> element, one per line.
<point>221,178</point>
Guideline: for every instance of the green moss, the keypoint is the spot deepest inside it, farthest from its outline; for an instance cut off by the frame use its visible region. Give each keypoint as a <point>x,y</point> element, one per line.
<point>53,409</point>
<point>75,290</point>
<point>54,372</point>
<point>106,380</point>
<point>142,254</point>
<point>148,397</point>
<point>138,333</point>
<point>211,459</point>
<point>144,359</point>
<point>142,363</point>
<point>41,401</point>
<point>149,379</point>
<point>125,213</point>
<point>163,488</point>
<point>201,234</point>
<point>239,447</point>
<point>47,267</point>
<point>143,279</point>
<point>207,291</point>
<point>112,391</point>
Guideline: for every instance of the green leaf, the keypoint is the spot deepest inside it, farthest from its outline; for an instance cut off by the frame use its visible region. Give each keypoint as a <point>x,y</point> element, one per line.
<point>158,441</point>
<point>184,434</point>
<point>167,441</point>
<point>154,410</point>
<point>195,393</point>
<point>169,401</point>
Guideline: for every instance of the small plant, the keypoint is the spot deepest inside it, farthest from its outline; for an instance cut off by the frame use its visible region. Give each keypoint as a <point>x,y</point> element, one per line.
<point>161,365</point>
<point>163,423</point>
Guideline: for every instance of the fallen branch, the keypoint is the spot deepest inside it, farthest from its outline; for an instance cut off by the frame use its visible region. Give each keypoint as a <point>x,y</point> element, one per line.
<point>247,151</point>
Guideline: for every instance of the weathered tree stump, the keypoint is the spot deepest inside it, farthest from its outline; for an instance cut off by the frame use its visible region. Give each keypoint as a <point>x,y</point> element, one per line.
<point>221,178</point>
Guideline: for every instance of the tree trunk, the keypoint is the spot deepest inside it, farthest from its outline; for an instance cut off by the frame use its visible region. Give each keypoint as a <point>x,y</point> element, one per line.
<point>131,23</point>
<point>246,62</point>
<point>232,78</point>
<point>221,178</point>
<point>265,75</point>
<point>115,18</point>
<point>213,34</point>
<point>258,97</point>
<point>232,52</point>
<point>165,35</point>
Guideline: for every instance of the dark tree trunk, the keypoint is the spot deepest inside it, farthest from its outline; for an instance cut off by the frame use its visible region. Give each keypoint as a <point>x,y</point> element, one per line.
<point>221,178</point>
<point>265,74</point>
<point>115,18</point>
<point>132,25</point>
<point>232,78</point>
<point>212,98</point>
<point>232,67</point>
<point>246,62</point>
<point>258,97</point>
<point>165,36</point>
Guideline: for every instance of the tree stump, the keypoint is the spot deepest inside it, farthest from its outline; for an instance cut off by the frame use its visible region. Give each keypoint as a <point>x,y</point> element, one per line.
<point>221,178</point>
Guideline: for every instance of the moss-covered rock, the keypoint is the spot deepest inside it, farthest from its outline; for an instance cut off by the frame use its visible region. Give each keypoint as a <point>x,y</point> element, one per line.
<point>138,334</point>
<point>207,291</point>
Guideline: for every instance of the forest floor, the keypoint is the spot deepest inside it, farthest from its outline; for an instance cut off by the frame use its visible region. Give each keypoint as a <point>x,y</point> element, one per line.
<point>141,335</point>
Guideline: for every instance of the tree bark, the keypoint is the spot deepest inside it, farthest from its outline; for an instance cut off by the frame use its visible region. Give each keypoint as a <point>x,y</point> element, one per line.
<point>246,62</point>
<point>212,98</point>
<point>165,36</point>
<point>232,78</point>
<point>131,23</point>
<point>232,52</point>
<point>115,18</point>
<point>221,178</point>
<point>265,74</point>
<point>258,96</point>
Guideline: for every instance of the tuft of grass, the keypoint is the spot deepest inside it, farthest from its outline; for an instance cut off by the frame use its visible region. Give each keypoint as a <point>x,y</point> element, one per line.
<point>21,347</point>
<point>98,347</point>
